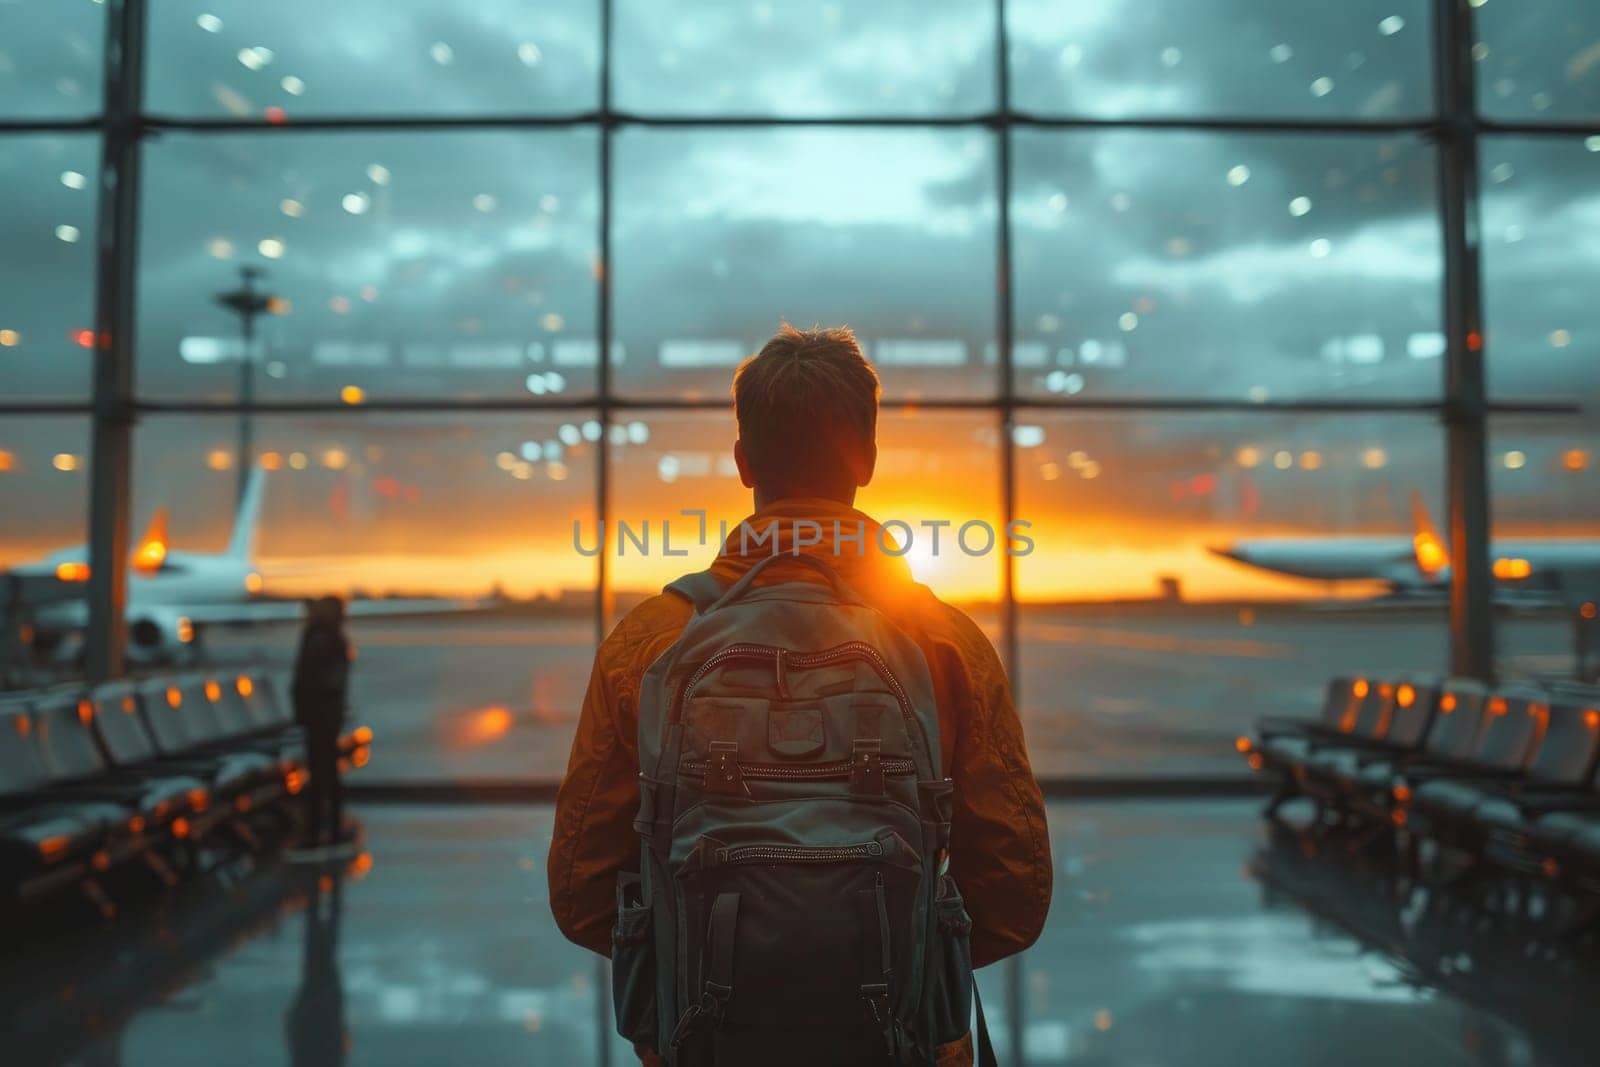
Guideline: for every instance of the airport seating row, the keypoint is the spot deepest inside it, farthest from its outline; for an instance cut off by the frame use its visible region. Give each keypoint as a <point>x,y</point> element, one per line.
<point>1507,776</point>
<point>142,775</point>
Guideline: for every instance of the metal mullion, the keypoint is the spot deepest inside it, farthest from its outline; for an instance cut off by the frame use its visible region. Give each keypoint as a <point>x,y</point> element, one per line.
<point>1465,407</point>
<point>1537,129</point>
<point>111,442</point>
<point>607,117</point>
<point>1004,335</point>
<point>1015,405</point>
<point>26,126</point>
<point>603,601</point>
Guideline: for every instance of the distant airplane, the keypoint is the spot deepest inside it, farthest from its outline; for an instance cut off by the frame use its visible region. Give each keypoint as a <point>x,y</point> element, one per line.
<point>1565,570</point>
<point>173,595</point>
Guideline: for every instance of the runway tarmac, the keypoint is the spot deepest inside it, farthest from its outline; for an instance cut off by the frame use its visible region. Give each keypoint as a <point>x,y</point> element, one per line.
<point>1121,690</point>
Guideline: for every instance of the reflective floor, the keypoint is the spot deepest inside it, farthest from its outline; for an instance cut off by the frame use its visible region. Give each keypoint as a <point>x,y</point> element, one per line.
<point>1175,938</point>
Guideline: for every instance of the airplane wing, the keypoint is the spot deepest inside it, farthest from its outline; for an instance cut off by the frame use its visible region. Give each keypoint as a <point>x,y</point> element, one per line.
<point>247,612</point>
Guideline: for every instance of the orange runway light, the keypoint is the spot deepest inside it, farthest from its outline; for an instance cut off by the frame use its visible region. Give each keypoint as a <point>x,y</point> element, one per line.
<point>72,572</point>
<point>1591,718</point>
<point>1510,570</point>
<point>1447,703</point>
<point>1360,689</point>
<point>53,847</point>
<point>1256,761</point>
<point>213,691</point>
<point>174,697</point>
<point>362,735</point>
<point>85,712</point>
<point>362,864</point>
<point>1242,743</point>
<point>245,685</point>
<point>1398,816</point>
<point>487,725</point>
<point>136,824</point>
<point>294,781</point>
<point>1405,696</point>
<point>1402,794</point>
<point>1498,706</point>
<point>361,757</point>
<point>1588,610</point>
<point>199,799</point>
<point>180,827</point>
<point>101,861</point>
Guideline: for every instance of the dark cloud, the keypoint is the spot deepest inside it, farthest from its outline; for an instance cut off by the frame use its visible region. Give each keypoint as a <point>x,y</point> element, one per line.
<point>717,234</point>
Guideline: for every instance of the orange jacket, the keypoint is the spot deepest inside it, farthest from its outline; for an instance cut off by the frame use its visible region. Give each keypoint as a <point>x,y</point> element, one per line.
<point>999,846</point>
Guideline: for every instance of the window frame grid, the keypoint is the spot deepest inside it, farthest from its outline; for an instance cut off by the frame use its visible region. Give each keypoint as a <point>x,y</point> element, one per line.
<point>1454,127</point>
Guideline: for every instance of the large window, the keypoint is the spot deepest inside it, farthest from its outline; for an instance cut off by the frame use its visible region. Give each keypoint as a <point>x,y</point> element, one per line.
<point>1164,280</point>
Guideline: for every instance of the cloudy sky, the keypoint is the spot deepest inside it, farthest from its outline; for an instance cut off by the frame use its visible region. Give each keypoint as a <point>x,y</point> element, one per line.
<point>1165,264</point>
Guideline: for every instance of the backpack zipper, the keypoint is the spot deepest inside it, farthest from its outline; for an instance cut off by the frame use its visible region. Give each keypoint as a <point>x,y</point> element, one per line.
<point>848,650</point>
<point>802,772</point>
<point>798,853</point>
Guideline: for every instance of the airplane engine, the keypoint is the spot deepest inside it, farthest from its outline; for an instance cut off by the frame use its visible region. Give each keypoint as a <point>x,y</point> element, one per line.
<point>159,637</point>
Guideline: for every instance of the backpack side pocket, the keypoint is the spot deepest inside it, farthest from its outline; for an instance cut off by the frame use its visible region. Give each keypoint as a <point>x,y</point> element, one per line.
<point>633,964</point>
<point>950,999</point>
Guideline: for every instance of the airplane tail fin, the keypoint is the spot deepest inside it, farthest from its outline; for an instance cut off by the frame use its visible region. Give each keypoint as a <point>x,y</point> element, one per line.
<point>151,552</point>
<point>1428,547</point>
<point>242,544</point>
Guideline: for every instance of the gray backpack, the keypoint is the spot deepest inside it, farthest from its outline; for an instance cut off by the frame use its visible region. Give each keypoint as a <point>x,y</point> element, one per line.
<point>791,905</point>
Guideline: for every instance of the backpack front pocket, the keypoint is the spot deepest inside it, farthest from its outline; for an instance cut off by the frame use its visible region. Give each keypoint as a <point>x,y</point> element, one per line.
<point>797,948</point>
<point>633,964</point>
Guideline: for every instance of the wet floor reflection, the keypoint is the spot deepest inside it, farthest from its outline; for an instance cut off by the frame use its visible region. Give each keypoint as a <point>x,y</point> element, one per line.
<point>315,1029</point>
<point>1176,937</point>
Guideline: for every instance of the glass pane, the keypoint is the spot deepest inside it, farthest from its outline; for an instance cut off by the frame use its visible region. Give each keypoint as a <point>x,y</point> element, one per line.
<point>722,234</point>
<point>1146,648</point>
<point>397,512</point>
<point>677,460</point>
<point>47,229</point>
<point>302,58</point>
<point>1225,265</point>
<point>1539,61</point>
<point>1541,265</point>
<point>44,510</point>
<point>440,264</point>
<point>51,57</point>
<point>1122,58</point>
<point>1544,494</point>
<point>812,57</point>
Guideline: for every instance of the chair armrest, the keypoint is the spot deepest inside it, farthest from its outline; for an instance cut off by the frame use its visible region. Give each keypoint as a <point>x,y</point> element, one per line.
<point>1547,803</point>
<point>1281,726</point>
<point>1455,772</point>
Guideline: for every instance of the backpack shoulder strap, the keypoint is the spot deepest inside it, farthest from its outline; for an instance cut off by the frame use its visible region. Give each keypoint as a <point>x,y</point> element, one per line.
<point>701,589</point>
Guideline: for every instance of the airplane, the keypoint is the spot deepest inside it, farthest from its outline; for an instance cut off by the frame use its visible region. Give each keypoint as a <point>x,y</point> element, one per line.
<point>172,595</point>
<point>1566,571</point>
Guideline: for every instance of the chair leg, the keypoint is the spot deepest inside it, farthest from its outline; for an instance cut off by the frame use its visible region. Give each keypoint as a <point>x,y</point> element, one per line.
<point>97,897</point>
<point>163,870</point>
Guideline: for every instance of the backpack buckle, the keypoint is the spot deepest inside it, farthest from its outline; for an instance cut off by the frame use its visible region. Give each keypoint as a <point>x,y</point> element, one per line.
<point>722,774</point>
<point>866,767</point>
